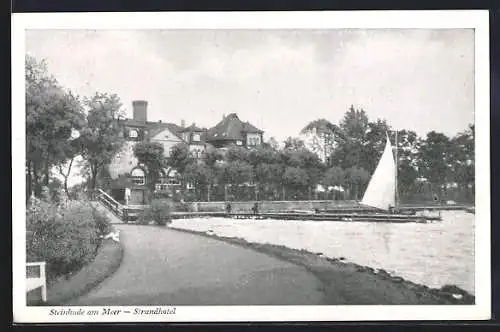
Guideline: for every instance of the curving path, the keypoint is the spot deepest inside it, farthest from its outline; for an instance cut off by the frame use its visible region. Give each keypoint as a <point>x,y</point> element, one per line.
<point>162,266</point>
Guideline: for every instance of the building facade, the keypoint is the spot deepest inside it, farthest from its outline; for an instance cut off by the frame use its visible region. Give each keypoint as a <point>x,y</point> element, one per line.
<point>127,173</point>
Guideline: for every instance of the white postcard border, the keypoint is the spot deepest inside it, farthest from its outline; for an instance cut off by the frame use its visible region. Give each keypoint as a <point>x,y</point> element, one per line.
<point>261,20</point>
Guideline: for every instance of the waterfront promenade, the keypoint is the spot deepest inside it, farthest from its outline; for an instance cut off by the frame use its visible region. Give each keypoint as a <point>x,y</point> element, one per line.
<point>167,267</point>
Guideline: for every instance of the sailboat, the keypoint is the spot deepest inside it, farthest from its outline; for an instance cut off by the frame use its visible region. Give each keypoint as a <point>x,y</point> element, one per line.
<point>381,190</point>
<point>380,200</point>
<point>382,193</point>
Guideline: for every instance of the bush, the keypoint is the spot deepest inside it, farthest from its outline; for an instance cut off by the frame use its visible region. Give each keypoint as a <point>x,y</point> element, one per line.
<point>102,222</point>
<point>160,211</point>
<point>145,217</point>
<point>66,236</point>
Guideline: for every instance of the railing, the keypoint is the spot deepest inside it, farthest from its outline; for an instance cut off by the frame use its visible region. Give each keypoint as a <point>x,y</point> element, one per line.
<point>124,212</point>
<point>109,202</point>
<point>38,280</point>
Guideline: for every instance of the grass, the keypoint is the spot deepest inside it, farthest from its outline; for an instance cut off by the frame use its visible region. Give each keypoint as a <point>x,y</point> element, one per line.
<point>106,262</point>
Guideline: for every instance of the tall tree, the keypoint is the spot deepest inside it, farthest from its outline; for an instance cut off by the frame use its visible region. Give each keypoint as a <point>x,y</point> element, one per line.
<point>463,160</point>
<point>356,178</point>
<point>52,116</point>
<point>434,160</point>
<point>350,151</point>
<point>101,138</point>
<point>180,157</point>
<point>151,154</point>
<point>408,154</point>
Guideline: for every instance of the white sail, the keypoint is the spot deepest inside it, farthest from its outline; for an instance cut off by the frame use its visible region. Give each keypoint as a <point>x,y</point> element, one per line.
<point>381,190</point>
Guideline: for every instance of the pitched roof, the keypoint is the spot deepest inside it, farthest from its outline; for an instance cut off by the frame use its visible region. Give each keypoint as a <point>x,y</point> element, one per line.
<point>231,128</point>
<point>192,128</point>
<point>157,127</point>
<point>154,128</point>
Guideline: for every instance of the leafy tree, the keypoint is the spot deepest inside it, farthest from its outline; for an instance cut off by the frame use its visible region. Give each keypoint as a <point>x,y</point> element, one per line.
<point>237,153</point>
<point>334,176</point>
<point>408,148</point>
<point>295,179</point>
<point>357,178</point>
<point>262,154</point>
<point>151,154</point>
<point>53,115</point>
<point>237,172</point>
<point>374,144</point>
<point>434,158</point>
<point>272,143</point>
<point>351,149</point>
<point>198,174</point>
<point>210,156</point>
<point>294,143</point>
<point>463,159</point>
<point>180,157</point>
<point>354,125</point>
<point>101,138</point>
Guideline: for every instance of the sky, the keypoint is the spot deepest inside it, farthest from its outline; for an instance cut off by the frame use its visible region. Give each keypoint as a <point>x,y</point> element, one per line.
<point>278,80</point>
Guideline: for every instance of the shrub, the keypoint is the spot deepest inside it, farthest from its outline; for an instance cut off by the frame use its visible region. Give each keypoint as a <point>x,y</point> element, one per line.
<point>145,217</point>
<point>102,222</point>
<point>66,236</point>
<point>160,211</point>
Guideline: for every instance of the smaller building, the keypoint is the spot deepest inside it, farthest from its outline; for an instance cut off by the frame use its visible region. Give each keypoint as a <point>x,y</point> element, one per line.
<point>232,131</point>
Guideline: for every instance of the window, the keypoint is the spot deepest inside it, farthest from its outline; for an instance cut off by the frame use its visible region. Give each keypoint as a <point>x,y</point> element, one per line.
<point>196,137</point>
<point>138,177</point>
<point>132,133</point>
<point>238,142</point>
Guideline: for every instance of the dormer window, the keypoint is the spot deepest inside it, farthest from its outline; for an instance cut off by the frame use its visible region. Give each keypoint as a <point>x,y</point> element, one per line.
<point>196,137</point>
<point>133,133</point>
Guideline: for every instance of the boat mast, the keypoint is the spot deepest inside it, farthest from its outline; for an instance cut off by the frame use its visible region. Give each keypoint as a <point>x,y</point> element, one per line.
<point>396,173</point>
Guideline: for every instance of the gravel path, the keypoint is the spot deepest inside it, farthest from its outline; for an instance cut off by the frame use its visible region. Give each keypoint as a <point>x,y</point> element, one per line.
<point>167,267</point>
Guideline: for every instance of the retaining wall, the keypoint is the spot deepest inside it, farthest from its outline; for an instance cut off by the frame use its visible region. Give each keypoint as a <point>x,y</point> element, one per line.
<point>270,206</point>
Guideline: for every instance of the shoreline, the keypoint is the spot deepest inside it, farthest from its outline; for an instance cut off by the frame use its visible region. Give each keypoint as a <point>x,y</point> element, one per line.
<point>351,283</point>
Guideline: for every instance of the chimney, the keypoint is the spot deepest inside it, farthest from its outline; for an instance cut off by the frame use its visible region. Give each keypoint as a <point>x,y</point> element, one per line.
<point>140,110</point>
<point>183,123</point>
<point>223,116</point>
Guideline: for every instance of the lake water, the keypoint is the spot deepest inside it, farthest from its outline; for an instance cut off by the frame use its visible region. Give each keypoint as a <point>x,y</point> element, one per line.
<point>433,254</point>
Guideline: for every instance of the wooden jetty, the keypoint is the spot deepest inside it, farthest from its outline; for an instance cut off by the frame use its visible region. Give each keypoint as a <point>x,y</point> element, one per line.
<point>343,217</point>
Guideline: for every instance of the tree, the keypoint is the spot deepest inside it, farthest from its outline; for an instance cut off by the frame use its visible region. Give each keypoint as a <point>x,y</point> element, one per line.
<point>334,176</point>
<point>351,148</point>
<point>272,143</point>
<point>198,174</point>
<point>462,158</point>
<point>237,172</point>
<point>101,138</point>
<point>295,180</point>
<point>235,153</point>
<point>180,157</point>
<point>374,144</point>
<point>434,159</point>
<point>408,154</point>
<point>151,154</point>
<point>210,156</point>
<point>53,115</point>
<point>357,178</point>
<point>294,143</point>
